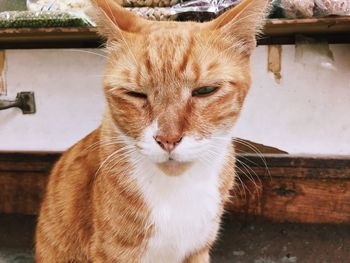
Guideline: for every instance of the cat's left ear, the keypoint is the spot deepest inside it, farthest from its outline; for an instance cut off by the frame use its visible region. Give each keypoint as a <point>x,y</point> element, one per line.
<point>113,21</point>
<point>241,24</point>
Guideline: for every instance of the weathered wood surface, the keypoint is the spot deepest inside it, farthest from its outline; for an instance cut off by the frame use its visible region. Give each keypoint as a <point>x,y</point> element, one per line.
<point>326,25</point>
<point>27,162</point>
<point>293,188</point>
<point>2,73</point>
<point>294,200</point>
<point>23,177</point>
<point>303,167</point>
<point>277,31</point>
<point>56,37</point>
<point>21,194</point>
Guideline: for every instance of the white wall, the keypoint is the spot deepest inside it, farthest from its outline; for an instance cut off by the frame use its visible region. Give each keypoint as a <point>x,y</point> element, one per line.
<point>68,97</point>
<point>308,112</point>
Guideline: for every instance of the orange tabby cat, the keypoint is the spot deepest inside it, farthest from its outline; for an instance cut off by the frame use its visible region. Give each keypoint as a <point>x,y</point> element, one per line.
<point>149,185</point>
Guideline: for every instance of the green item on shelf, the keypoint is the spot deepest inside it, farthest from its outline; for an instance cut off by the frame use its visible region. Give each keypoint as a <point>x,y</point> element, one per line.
<point>20,19</point>
<point>13,5</point>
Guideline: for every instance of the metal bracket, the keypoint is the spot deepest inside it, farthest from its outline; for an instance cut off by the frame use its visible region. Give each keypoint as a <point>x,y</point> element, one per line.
<point>24,100</point>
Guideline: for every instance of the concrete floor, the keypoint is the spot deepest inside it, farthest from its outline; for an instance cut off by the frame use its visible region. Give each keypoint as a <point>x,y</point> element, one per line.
<point>254,241</point>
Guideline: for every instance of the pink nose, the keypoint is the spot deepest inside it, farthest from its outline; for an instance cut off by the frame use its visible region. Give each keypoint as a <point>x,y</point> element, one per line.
<point>168,143</point>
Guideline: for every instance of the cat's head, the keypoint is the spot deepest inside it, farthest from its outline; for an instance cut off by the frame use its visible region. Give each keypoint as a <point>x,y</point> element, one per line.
<point>175,89</point>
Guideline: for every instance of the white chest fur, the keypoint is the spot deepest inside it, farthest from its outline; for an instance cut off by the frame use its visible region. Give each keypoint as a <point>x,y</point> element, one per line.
<point>184,210</point>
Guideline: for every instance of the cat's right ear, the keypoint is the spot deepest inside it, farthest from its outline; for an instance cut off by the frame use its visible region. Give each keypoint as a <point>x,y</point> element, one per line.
<point>114,22</point>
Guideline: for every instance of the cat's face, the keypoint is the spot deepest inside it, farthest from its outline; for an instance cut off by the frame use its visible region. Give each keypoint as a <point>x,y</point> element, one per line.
<point>175,90</point>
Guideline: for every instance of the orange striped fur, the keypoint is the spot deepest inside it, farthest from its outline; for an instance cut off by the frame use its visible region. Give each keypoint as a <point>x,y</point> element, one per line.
<point>96,208</point>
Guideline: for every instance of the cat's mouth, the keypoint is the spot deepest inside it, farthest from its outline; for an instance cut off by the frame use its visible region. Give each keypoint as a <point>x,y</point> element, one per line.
<point>171,161</point>
<point>173,167</point>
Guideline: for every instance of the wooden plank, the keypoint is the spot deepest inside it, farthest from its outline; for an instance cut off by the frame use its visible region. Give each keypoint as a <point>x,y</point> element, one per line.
<point>278,165</point>
<point>2,73</point>
<point>299,172</point>
<point>58,37</point>
<point>274,61</point>
<point>23,178</point>
<point>27,162</point>
<point>51,33</point>
<point>302,167</point>
<point>294,200</point>
<point>305,189</point>
<point>285,160</point>
<point>277,31</point>
<point>327,25</point>
<point>312,189</point>
<point>21,194</point>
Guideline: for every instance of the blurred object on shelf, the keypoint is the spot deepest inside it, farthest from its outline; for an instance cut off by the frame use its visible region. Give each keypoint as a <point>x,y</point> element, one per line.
<point>43,13</point>
<point>298,8</point>
<point>198,10</point>
<point>58,5</point>
<point>332,7</point>
<point>12,5</point>
<point>28,19</point>
<point>148,3</point>
<point>156,13</point>
<point>195,10</point>
<point>310,8</point>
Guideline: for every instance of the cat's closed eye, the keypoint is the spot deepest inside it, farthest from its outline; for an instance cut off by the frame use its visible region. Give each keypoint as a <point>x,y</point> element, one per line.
<point>137,94</point>
<point>204,91</point>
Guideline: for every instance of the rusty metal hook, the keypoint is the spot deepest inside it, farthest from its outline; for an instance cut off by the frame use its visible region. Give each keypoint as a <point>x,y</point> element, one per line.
<point>24,100</point>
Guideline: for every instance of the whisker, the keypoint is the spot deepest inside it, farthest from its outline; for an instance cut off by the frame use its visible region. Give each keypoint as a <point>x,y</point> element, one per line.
<point>86,51</point>
<point>250,176</point>
<point>111,156</point>
<point>257,151</point>
<point>105,142</point>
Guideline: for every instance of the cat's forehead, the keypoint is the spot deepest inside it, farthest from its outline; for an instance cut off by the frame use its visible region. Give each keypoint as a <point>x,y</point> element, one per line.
<point>171,27</point>
<point>173,34</point>
<point>168,44</point>
<point>172,44</point>
<point>171,55</point>
<point>170,58</point>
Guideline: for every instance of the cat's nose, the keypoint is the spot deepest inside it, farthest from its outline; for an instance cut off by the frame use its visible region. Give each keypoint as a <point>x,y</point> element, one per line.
<point>168,143</point>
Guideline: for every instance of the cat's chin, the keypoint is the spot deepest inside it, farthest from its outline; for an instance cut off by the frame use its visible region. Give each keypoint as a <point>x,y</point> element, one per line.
<point>174,168</point>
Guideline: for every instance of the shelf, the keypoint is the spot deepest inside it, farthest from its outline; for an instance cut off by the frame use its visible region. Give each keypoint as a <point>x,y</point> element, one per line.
<point>277,31</point>
<point>335,30</point>
<point>329,25</point>
<point>58,37</point>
